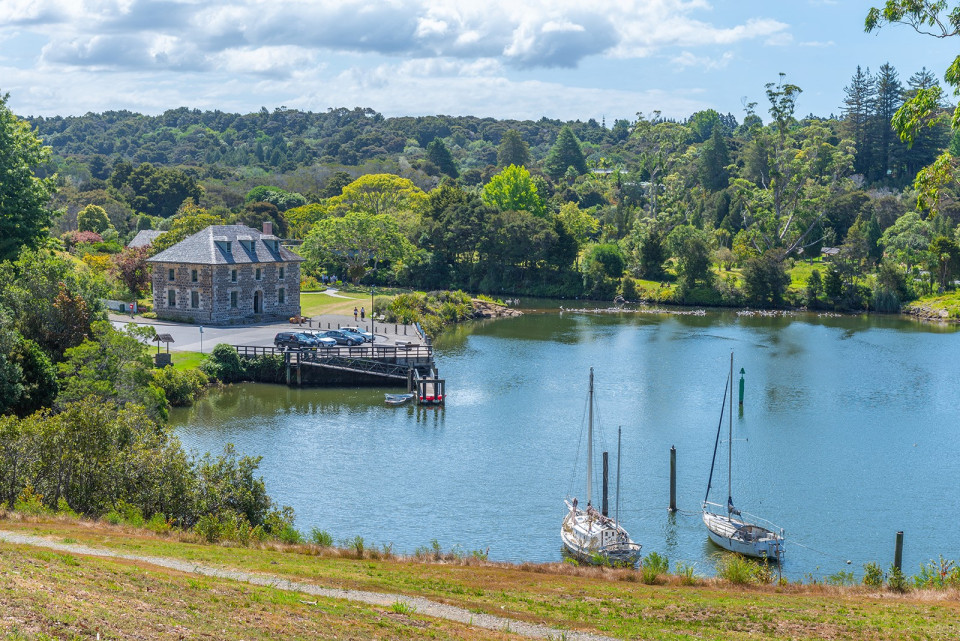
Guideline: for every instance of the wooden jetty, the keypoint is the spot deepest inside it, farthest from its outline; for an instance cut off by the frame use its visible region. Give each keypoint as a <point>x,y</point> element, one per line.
<point>369,364</point>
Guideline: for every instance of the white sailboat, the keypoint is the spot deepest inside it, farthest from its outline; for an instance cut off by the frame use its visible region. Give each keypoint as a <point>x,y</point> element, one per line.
<point>733,530</point>
<point>587,534</point>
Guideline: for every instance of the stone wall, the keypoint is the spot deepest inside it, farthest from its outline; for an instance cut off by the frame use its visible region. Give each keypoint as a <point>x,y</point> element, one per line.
<point>215,285</point>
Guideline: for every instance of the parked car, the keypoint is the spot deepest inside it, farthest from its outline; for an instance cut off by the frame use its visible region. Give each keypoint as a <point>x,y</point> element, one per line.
<point>367,336</point>
<point>294,340</point>
<point>323,341</point>
<point>343,337</point>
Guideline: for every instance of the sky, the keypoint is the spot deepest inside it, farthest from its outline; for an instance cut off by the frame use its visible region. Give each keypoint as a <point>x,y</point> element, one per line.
<point>523,59</point>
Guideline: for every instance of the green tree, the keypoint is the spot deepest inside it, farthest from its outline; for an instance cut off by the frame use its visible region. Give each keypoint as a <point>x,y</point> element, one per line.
<point>581,225</point>
<point>565,153</point>
<point>513,150</point>
<point>183,225</point>
<point>859,103</point>
<point>907,239</point>
<point>24,216</point>
<point>439,155</point>
<point>783,205</point>
<point>113,366</point>
<point>39,378</point>
<point>923,109</point>
<point>945,258</point>
<point>51,300</point>
<point>607,259</point>
<point>765,279</point>
<point>93,218</point>
<point>157,191</point>
<point>645,247</point>
<point>691,248</point>
<point>513,190</point>
<point>279,198</point>
<point>814,288</point>
<point>11,374</point>
<point>358,242</point>
<point>713,160</point>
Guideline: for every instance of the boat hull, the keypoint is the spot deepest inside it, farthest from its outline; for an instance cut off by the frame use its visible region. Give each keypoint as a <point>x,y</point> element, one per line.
<point>743,538</point>
<point>591,538</point>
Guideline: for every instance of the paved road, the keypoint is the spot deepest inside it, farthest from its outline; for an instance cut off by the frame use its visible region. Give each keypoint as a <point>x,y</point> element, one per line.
<point>187,337</point>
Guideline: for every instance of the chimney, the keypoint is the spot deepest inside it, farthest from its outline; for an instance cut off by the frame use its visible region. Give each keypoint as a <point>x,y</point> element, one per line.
<point>267,228</point>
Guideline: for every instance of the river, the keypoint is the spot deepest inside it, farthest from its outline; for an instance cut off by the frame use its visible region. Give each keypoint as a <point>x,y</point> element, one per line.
<point>848,433</point>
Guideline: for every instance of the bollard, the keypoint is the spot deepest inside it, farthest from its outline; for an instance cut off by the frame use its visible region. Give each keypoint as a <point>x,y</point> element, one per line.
<point>898,552</point>
<point>673,478</point>
<point>604,509</point>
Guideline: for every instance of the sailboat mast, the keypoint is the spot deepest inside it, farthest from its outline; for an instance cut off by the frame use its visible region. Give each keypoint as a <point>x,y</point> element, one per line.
<point>730,448</point>
<point>590,444</point>
<point>617,513</point>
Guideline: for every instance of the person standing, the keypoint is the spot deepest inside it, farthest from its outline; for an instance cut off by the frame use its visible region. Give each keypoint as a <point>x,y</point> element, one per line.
<point>363,313</point>
<point>354,314</point>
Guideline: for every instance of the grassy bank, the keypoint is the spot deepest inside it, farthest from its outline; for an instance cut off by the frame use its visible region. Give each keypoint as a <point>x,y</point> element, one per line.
<point>608,601</point>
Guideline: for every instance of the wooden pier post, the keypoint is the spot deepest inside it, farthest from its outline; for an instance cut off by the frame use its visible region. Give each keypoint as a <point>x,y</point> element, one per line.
<point>898,552</point>
<point>286,358</point>
<point>673,478</point>
<point>604,506</point>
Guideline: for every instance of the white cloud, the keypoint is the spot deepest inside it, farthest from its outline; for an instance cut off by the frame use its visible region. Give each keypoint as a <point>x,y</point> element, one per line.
<point>523,33</point>
<point>707,63</point>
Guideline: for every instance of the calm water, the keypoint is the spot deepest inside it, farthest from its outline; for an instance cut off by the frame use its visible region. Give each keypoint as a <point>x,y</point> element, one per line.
<point>849,433</point>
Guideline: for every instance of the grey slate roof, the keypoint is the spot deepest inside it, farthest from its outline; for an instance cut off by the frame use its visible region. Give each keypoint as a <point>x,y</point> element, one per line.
<point>208,247</point>
<point>144,237</point>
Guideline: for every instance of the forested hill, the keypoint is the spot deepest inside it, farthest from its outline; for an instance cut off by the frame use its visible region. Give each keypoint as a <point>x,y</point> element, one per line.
<point>707,208</point>
<point>285,139</point>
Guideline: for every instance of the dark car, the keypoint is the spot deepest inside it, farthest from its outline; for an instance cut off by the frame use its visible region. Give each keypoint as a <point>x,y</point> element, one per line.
<point>343,337</point>
<point>294,340</point>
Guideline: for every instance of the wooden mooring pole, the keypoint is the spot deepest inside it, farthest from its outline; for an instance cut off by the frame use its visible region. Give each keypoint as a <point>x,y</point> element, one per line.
<point>605,509</point>
<point>898,552</point>
<point>673,478</point>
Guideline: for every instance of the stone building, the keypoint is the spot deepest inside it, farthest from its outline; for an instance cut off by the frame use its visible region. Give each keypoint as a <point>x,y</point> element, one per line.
<point>226,274</point>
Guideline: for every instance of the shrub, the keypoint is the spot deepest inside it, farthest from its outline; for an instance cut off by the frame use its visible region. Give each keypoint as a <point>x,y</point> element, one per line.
<point>841,579</point>
<point>224,364</point>
<point>685,572</point>
<point>181,387</point>
<point>29,502</point>
<point>357,545</point>
<point>321,538</point>
<point>653,566</point>
<point>896,580</point>
<point>872,575</point>
<point>736,569</point>
<point>938,575</point>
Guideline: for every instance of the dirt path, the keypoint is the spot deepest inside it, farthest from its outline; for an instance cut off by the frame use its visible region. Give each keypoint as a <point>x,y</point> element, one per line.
<point>421,605</point>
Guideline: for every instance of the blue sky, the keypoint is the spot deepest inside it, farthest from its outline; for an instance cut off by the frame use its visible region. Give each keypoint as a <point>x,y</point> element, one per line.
<point>564,59</point>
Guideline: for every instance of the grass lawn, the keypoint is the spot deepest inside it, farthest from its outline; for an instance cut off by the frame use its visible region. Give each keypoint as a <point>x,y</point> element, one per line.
<point>607,601</point>
<point>187,360</point>
<point>315,304</point>
<point>51,595</point>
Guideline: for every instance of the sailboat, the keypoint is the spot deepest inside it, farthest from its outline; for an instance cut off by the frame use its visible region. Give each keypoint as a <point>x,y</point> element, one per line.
<point>734,530</point>
<point>587,534</point>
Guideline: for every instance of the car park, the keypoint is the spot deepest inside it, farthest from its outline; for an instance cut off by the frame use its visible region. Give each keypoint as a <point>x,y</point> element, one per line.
<point>343,337</point>
<point>367,336</point>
